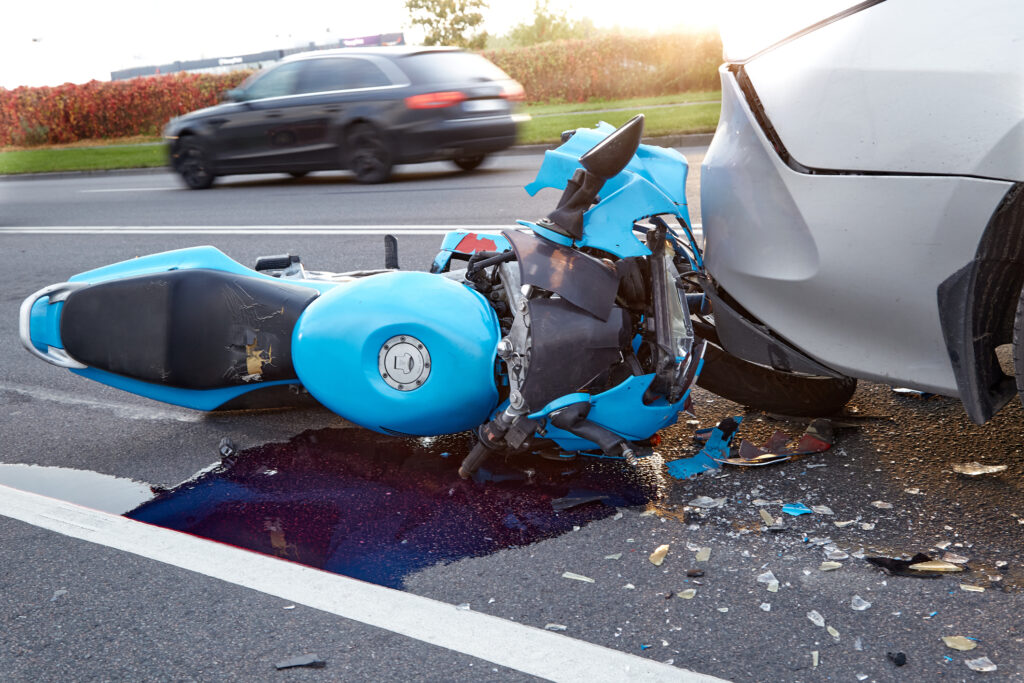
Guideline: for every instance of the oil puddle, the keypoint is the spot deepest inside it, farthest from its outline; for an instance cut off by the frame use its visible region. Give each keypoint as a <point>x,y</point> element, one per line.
<point>379,508</point>
<point>91,489</point>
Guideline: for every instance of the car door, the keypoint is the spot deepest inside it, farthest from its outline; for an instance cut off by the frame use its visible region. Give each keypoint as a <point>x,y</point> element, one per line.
<point>254,134</point>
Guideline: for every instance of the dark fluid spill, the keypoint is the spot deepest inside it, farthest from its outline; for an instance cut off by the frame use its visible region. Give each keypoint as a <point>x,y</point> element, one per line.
<point>378,508</point>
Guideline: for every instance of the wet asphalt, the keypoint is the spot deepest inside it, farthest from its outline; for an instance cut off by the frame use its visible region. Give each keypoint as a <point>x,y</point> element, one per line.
<point>71,610</point>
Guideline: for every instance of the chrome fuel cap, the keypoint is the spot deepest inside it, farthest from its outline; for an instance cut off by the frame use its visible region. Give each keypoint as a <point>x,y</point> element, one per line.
<point>404,362</point>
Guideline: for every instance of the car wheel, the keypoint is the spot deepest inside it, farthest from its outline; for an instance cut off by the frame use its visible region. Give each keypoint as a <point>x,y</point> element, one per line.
<point>762,388</point>
<point>368,155</point>
<point>469,163</point>
<point>193,163</point>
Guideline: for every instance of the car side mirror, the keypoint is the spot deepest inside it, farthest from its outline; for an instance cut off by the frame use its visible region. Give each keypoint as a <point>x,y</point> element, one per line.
<point>233,95</point>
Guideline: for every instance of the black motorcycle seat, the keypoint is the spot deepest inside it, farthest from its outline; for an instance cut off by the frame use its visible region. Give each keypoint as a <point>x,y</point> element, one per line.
<point>192,328</point>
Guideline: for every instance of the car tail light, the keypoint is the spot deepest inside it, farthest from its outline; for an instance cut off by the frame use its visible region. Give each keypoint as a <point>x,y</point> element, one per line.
<point>513,91</point>
<point>434,100</point>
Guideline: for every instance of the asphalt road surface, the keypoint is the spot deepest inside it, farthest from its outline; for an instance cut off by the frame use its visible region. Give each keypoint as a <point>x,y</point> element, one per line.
<point>85,596</point>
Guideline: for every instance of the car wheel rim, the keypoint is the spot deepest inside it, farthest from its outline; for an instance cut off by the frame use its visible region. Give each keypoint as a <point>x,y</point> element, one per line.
<point>193,167</point>
<point>369,157</point>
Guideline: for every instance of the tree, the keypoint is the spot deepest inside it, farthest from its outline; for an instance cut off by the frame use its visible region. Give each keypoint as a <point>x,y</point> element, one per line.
<point>449,22</point>
<point>548,25</point>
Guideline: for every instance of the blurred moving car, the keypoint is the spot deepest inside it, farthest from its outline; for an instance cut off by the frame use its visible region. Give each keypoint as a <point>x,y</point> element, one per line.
<point>863,197</point>
<point>359,109</point>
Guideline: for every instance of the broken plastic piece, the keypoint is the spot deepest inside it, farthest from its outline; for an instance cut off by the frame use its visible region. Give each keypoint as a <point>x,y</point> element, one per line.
<point>816,618</point>
<point>687,594</point>
<point>913,393</point>
<point>897,567</point>
<point>822,510</point>
<point>955,558</point>
<point>897,658</point>
<point>555,627</point>
<point>845,524</point>
<point>981,664</point>
<point>833,632</point>
<point>881,505</point>
<point>837,555</point>
<point>971,589</point>
<point>829,566</point>
<point>695,573</point>
<point>814,658</point>
<point>769,578</point>
<point>973,469</point>
<point>717,446</point>
<point>959,643</point>
<point>936,566</point>
<point>703,555</point>
<point>613,556</point>
<point>766,607</point>
<point>707,502</point>
<point>658,556</point>
<point>577,498</point>
<point>577,577</point>
<point>859,604</point>
<point>310,660</point>
<point>796,509</point>
<point>767,517</point>
<point>818,438</point>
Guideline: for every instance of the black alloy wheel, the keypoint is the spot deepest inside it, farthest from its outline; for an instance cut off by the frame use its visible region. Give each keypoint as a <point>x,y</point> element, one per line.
<point>468,163</point>
<point>193,164</point>
<point>369,157</point>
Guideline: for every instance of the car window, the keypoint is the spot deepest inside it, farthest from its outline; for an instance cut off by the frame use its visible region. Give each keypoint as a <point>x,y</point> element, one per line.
<point>340,73</point>
<point>443,67</point>
<point>276,82</point>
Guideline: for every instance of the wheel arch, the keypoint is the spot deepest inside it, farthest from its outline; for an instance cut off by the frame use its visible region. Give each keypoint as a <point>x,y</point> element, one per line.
<point>977,305</point>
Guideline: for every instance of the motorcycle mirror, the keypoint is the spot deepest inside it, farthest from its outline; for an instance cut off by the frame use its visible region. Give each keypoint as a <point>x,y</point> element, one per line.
<point>608,157</point>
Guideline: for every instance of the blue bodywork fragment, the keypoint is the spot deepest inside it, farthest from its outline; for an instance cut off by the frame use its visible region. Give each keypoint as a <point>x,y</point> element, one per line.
<point>717,447</point>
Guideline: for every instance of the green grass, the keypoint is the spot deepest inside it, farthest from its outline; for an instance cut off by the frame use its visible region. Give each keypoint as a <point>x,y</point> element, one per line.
<point>48,160</point>
<point>547,124</point>
<point>697,118</point>
<point>595,105</point>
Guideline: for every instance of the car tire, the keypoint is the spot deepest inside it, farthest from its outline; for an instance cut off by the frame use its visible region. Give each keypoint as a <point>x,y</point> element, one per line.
<point>762,388</point>
<point>192,161</point>
<point>1018,346</point>
<point>468,163</point>
<point>367,154</point>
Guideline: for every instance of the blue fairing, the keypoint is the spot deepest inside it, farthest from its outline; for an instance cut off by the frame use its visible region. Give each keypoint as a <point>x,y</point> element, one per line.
<point>653,183</point>
<point>337,342</point>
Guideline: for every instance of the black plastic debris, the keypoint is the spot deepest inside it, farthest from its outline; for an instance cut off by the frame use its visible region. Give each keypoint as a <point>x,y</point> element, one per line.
<point>577,498</point>
<point>695,573</point>
<point>897,658</point>
<point>308,660</point>
<point>897,567</point>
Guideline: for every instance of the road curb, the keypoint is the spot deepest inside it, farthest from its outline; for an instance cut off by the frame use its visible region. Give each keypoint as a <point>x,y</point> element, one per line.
<point>691,140</point>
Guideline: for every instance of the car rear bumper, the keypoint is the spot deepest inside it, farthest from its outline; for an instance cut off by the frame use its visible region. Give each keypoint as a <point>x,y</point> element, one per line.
<point>449,138</point>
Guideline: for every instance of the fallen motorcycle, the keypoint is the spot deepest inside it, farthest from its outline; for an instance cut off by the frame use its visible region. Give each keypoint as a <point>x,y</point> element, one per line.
<point>571,334</point>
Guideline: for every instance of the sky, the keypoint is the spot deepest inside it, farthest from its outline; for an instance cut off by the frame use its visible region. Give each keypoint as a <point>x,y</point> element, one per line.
<point>62,41</point>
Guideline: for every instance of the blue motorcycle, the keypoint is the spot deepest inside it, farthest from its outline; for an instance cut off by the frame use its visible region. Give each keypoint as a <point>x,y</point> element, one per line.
<point>571,334</point>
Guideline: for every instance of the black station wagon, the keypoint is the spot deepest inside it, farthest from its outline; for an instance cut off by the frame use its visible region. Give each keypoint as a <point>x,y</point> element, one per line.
<point>359,109</point>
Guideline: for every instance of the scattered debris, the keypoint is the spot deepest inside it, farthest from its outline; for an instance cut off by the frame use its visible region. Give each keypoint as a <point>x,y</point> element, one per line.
<point>614,556</point>
<point>687,594</point>
<point>858,644</point>
<point>974,469</point>
<point>629,587</point>
<point>577,577</point>
<point>959,643</point>
<point>796,509</point>
<point>767,517</point>
<point>822,509</point>
<point>816,618</point>
<point>913,393</point>
<point>845,524</point>
<point>311,660</point>
<point>920,565</point>
<point>913,491</point>
<point>881,505</point>
<point>981,664</point>
<point>658,556</point>
<point>814,658</point>
<point>955,558</point>
<point>707,502</point>
<point>703,555</point>
<point>818,438</point>
<point>577,498</point>
<point>288,607</point>
<point>555,627</point>
<point>695,573</point>
<point>717,442</point>
<point>617,516</point>
<point>829,566</point>
<point>971,589</point>
<point>833,632</point>
<point>766,607</point>
<point>859,604</point>
<point>464,606</point>
<point>769,578</point>
<point>936,566</point>
<point>867,526</point>
<point>227,449</point>
<point>723,610</point>
<point>837,555</point>
<point>57,594</point>
<point>897,658</point>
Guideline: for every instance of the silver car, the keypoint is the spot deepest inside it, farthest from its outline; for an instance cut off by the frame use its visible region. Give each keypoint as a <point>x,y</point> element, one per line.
<point>863,201</point>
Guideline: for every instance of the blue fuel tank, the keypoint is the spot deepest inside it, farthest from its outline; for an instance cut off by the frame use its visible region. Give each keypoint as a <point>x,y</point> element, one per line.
<point>401,352</point>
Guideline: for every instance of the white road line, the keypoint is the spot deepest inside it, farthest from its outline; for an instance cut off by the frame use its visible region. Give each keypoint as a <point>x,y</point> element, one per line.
<point>123,410</point>
<point>260,229</point>
<point>131,189</point>
<point>516,646</point>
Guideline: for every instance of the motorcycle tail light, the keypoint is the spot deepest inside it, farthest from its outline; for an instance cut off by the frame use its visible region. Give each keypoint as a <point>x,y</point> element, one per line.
<point>434,100</point>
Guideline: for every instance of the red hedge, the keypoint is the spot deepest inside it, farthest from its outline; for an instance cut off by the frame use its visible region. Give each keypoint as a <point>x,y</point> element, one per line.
<point>102,109</point>
<point>606,67</point>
